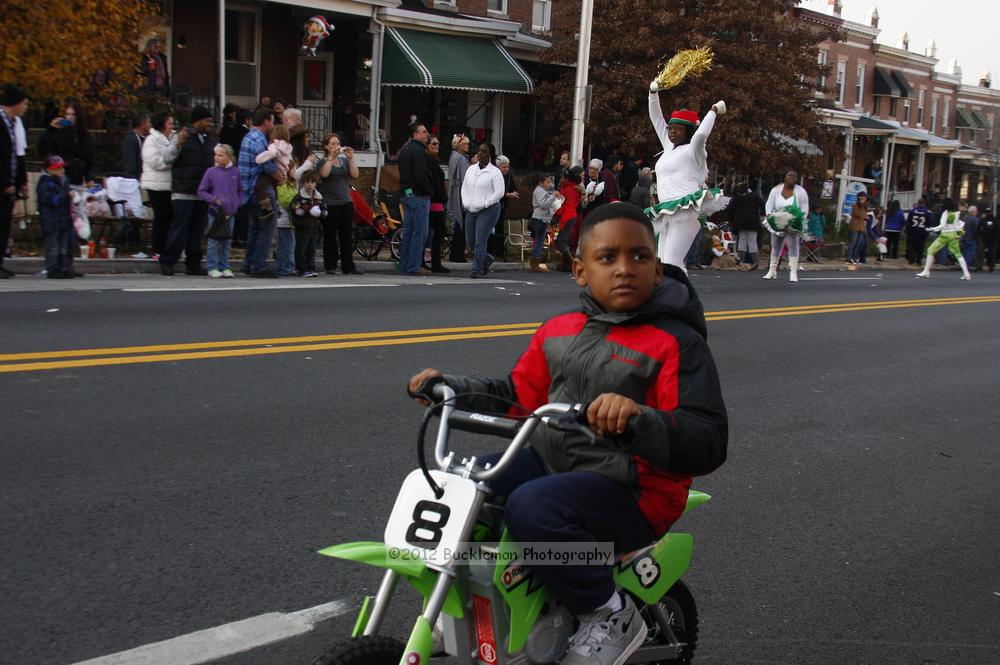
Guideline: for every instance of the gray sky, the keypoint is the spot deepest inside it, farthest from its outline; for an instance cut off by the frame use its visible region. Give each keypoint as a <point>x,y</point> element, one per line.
<point>963,29</point>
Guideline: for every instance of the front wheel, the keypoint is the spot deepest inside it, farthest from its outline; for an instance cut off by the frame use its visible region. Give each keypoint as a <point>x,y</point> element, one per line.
<point>395,240</point>
<point>675,613</point>
<point>373,650</point>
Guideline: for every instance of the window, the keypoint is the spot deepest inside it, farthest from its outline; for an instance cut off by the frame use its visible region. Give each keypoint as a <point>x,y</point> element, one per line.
<point>445,3</point>
<point>893,106</point>
<point>242,44</point>
<point>841,81</point>
<point>920,108</point>
<point>541,15</point>
<point>944,117</point>
<point>906,111</point>
<point>990,120</point>
<point>876,104</point>
<point>497,6</point>
<point>933,115</point>
<point>859,86</point>
<point>821,60</point>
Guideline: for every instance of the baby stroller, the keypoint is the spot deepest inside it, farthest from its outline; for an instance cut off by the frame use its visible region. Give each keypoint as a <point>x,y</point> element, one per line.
<point>372,231</point>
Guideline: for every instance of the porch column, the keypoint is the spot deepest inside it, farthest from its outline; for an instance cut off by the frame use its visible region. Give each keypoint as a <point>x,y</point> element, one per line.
<point>890,152</point>
<point>919,180</point>
<point>222,59</point>
<point>496,121</point>
<point>375,96</point>
<point>951,167</point>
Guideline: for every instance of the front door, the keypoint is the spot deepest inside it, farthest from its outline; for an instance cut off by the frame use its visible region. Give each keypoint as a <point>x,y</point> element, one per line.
<point>314,94</point>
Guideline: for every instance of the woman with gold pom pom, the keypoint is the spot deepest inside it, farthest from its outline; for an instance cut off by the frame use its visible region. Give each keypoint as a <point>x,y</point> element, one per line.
<point>682,169</point>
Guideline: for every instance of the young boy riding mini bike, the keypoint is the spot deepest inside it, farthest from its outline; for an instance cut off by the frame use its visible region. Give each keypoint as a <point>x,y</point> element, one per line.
<point>636,354</point>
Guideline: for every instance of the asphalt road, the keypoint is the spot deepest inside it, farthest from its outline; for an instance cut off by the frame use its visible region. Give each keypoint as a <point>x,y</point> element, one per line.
<point>857,519</point>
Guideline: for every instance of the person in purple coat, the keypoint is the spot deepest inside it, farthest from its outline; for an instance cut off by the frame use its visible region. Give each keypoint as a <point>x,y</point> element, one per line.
<point>222,189</point>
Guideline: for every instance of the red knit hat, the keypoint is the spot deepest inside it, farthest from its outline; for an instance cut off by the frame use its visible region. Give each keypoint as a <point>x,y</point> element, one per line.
<point>53,162</point>
<point>684,117</point>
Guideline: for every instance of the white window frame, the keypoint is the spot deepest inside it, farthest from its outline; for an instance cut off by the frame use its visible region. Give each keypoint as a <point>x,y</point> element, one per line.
<point>497,12</point>
<point>991,118</point>
<point>841,81</point>
<point>822,58</point>
<point>447,4</point>
<point>921,100</point>
<point>944,116</point>
<point>859,86</point>
<point>245,100</point>
<point>546,9</point>
<point>906,111</point>
<point>934,104</point>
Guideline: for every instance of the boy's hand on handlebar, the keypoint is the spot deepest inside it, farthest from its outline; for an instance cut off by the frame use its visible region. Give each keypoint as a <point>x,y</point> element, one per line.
<point>609,413</point>
<point>418,380</point>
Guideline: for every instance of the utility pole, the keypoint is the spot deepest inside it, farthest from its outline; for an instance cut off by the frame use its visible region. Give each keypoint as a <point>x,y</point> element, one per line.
<point>580,94</point>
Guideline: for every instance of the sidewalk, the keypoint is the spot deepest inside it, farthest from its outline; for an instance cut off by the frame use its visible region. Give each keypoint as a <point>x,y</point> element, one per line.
<point>33,265</point>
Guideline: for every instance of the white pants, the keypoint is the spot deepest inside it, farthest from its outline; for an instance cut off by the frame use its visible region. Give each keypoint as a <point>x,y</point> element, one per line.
<point>791,240</point>
<point>675,233</point>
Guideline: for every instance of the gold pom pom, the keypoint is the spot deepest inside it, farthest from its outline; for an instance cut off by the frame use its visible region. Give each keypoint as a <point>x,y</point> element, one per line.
<point>693,62</point>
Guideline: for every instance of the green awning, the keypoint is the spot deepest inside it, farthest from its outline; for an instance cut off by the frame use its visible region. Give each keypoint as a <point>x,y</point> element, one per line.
<point>434,60</point>
<point>962,120</point>
<point>980,120</point>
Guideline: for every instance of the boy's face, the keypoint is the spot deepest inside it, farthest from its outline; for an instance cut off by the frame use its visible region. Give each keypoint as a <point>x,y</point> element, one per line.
<point>618,262</point>
<point>309,187</point>
<point>57,173</point>
<point>547,183</point>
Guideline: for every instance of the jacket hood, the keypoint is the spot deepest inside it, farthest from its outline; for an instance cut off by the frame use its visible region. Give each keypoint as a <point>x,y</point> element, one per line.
<point>645,181</point>
<point>674,297</point>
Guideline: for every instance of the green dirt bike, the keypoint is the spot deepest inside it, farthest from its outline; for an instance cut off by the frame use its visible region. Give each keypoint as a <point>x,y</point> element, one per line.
<point>448,542</point>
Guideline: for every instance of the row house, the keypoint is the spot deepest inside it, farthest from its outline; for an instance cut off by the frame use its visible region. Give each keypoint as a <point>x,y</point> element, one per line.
<point>466,66</point>
<point>908,129</point>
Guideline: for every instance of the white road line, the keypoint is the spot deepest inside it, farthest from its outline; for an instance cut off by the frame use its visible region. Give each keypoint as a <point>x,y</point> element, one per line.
<point>226,640</point>
<point>268,287</point>
<point>817,279</point>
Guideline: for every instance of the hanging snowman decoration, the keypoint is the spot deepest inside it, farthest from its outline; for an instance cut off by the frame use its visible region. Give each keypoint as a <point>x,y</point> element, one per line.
<point>316,30</point>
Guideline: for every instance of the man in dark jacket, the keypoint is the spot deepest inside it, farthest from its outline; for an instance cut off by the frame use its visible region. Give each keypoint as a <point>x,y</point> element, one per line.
<point>745,214</point>
<point>190,216</point>
<point>989,231</point>
<point>918,221</point>
<point>132,147</point>
<point>235,128</point>
<point>416,187</point>
<point>13,179</point>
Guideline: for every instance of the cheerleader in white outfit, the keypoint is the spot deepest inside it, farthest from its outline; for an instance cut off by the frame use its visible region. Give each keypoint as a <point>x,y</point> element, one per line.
<point>785,220</point>
<point>680,179</point>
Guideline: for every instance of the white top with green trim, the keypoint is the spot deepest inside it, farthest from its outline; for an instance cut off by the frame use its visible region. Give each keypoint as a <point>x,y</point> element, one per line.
<point>681,170</point>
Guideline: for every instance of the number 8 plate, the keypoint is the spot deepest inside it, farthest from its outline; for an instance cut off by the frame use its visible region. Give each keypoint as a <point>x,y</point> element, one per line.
<point>426,527</point>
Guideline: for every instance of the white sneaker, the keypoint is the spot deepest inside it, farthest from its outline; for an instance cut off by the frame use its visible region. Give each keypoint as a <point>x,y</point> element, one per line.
<point>228,274</point>
<point>605,638</point>
<point>215,273</point>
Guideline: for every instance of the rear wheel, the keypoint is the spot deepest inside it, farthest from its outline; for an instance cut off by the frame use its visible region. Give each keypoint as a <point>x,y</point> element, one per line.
<point>394,242</point>
<point>374,650</point>
<point>367,243</point>
<point>675,613</point>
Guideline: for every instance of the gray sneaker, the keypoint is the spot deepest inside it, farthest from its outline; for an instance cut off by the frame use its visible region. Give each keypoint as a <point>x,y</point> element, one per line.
<point>605,638</point>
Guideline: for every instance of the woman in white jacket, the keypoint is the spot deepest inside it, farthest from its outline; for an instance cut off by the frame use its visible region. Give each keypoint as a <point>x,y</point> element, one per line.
<point>680,178</point>
<point>482,189</point>
<point>159,151</point>
<point>786,209</point>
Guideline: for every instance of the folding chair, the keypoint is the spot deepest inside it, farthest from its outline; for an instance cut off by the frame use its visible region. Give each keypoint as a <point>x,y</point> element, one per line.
<point>813,250</point>
<point>519,236</point>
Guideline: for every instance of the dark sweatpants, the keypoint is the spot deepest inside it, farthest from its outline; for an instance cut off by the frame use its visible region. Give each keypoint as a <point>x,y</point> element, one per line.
<point>574,507</point>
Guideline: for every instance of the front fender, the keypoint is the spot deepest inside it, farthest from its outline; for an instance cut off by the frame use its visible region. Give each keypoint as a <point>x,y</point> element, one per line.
<point>413,570</point>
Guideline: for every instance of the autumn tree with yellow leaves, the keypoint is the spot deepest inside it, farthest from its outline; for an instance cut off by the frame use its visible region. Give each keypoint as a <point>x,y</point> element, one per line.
<point>88,49</point>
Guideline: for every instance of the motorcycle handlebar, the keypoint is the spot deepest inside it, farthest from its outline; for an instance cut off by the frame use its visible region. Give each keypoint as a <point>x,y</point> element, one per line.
<point>520,430</point>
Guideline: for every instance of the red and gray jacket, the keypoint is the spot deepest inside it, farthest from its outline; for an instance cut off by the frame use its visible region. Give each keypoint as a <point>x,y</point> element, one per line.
<point>657,356</point>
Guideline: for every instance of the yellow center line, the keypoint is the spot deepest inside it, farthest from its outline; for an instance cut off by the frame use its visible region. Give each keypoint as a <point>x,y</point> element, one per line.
<point>275,345</point>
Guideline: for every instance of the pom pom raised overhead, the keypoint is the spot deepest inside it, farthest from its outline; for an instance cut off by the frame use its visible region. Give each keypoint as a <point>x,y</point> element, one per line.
<point>685,64</point>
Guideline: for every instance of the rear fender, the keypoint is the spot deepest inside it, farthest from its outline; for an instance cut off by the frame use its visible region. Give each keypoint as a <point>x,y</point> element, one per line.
<point>413,570</point>
<point>648,573</point>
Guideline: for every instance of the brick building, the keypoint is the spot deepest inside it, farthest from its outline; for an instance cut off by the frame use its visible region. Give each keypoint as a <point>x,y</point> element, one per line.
<point>908,129</point>
<point>459,65</point>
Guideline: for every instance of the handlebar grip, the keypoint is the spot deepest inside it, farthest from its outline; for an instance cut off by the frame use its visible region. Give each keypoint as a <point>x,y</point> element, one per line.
<point>479,423</point>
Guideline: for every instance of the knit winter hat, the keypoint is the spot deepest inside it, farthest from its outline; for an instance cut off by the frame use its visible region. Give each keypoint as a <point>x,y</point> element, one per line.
<point>684,117</point>
<point>53,162</point>
<point>199,113</point>
<point>12,95</point>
